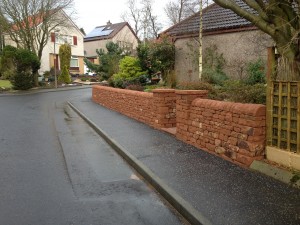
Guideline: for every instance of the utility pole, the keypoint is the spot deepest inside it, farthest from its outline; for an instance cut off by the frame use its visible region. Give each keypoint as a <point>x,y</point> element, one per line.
<point>55,57</point>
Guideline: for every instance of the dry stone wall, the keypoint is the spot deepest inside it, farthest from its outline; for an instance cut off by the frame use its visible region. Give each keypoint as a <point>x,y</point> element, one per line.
<point>233,131</point>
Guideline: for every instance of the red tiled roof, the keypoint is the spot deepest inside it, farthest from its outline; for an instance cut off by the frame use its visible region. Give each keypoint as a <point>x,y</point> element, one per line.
<point>32,21</point>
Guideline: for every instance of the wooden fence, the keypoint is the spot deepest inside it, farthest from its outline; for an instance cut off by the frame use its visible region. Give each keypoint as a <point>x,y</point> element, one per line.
<point>284,116</point>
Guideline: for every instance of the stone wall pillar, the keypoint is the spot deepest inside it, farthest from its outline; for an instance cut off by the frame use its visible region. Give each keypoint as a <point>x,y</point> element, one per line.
<point>184,99</point>
<point>164,105</point>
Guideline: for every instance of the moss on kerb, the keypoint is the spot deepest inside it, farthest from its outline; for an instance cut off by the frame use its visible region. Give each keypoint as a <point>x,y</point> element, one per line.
<point>239,108</point>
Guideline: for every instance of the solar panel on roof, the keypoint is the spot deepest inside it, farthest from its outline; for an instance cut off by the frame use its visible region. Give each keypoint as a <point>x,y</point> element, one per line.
<point>98,32</point>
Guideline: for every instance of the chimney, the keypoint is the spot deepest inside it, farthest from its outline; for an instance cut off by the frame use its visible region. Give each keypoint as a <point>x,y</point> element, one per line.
<point>109,23</point>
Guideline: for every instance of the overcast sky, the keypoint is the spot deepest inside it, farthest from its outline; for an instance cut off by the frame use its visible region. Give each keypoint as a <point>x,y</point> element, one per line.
<point>92,13</point>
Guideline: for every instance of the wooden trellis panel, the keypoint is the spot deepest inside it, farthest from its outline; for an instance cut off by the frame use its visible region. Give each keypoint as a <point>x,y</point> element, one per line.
<point>285,116</point>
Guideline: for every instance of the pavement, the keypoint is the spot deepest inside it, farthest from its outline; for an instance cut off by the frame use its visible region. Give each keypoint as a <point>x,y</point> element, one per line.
<point>204,188</point>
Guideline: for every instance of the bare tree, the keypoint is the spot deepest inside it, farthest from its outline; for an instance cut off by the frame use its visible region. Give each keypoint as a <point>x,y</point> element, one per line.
<point>29,23</point>
<point>150,24</point>
<point>133,16</point>
<point>279,19</point>
<point>141,15</point>
<point>177,10</point>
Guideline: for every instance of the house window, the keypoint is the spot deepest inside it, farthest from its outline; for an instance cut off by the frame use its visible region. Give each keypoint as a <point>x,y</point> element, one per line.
<point>74,63</point>
<point>125,45</point>
<point>62,39</point>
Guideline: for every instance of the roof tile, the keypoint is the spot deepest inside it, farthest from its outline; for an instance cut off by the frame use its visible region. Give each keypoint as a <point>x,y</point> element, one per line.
<point>215,18</point>
<point>104,32</point>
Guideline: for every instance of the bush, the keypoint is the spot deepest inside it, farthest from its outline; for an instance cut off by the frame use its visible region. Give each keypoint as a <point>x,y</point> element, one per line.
<point>52,72</point>
<point>65,76</point>
<point>26,66</point>
<point>238,91</point>
<point>22,80</point>
<point>214,76</point>
<point>84,79</point>
<point>194,85</point>
<point>255,72</point>
<point>135,87</point>
<point>213,65</point>
<point>7,64</point>
<point>130,73</point>
<point>47,74</point>
<point>162,54</point>
<point>65,55</point>
<point>108,61</point>
<point>157,56</point>
<point>149,88</point>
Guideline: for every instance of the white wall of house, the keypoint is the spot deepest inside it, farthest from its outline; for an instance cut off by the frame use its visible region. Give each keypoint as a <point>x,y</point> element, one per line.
<point>47,56</point>
<point>76,50</point>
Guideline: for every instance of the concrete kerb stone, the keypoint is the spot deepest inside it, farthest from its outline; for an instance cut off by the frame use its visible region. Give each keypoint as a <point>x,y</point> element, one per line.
<point>36,91</point>
<point>183,207</point>
<point>282,175</point>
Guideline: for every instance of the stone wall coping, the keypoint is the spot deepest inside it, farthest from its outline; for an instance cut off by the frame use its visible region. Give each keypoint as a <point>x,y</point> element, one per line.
<point>240,108</point>
<point>161,90</point>
<point>125,91</point>
<point>191,92</point>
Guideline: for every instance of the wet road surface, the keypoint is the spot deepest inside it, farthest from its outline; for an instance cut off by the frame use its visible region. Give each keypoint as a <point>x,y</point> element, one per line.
<point>54,169</point>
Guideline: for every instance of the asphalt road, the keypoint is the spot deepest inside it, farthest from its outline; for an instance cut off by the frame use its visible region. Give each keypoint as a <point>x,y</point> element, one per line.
<point>54,169</point>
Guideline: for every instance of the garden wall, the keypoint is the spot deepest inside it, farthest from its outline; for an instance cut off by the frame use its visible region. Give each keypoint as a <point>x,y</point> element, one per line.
<point>234,131</point>
<point>156,109</point>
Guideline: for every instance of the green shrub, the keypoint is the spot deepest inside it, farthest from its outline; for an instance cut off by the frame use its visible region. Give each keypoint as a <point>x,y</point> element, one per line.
<point>212,76</point>
<point>7,62</point>
<point>157,56</point>
<point>194,85</point>
<point>108,61</point>
<point>65,76</point>
<point>22,80</point>
<point>65,55</point>
<point>27,65</point>
<point>255,72</point>
<point>116,81</point>
<point>130,72</point>
<point>145,60</point>
<point>135,87</point>
<point>162,54</point>
<point>198,85</point>
<point>84,79</point>
<point>47,74</point>
<point>238,91</point>
<point>213,64</point>
<point>149,88</point>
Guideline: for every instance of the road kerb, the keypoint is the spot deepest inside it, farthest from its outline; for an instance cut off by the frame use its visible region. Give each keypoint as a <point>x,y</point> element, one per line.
<point>182,206</point>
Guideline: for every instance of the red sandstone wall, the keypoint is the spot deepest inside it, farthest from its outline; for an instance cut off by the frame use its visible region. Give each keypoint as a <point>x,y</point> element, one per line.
<point>135,104</point>
<point>157,109</point>
<point>234,131</point>
<point>164,107</point>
